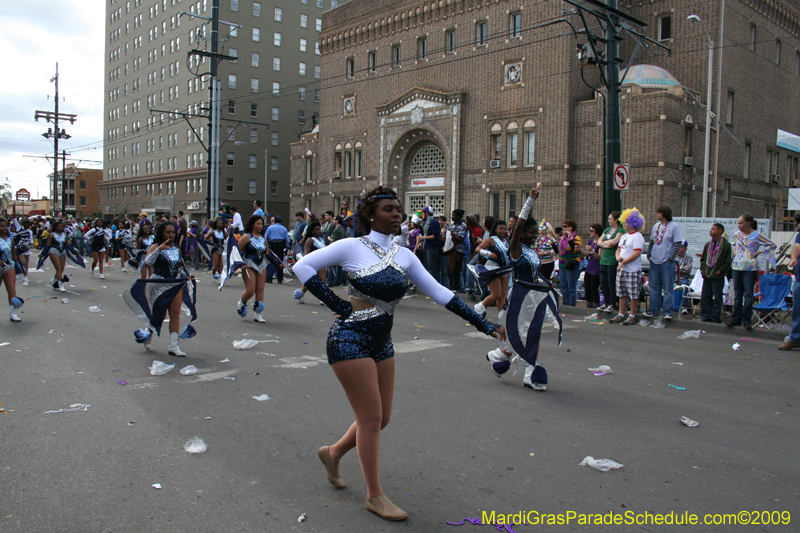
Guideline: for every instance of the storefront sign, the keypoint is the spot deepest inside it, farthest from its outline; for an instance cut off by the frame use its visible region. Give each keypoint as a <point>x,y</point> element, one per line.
<point>427,182</point>
<point>789,141</point>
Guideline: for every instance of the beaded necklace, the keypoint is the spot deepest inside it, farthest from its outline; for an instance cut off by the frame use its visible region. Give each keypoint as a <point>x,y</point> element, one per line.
<point>660,231</point>
<point>713,252</point>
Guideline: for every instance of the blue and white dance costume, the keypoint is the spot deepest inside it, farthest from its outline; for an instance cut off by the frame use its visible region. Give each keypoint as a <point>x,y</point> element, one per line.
<point>138,254</point>
<point>97,237</point>
<point>531,300</point>
<point>151,298</point>
<point>7,264</point>
<point>378,271</point>
<point>256,256</point>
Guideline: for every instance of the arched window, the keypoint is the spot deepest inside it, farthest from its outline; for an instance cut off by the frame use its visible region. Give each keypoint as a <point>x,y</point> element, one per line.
<point>427,161</point>
<point>496,140</point>
<point>529,133</point>
<point>358,159</point>
<point>309,165</point>
<point>513,142</point>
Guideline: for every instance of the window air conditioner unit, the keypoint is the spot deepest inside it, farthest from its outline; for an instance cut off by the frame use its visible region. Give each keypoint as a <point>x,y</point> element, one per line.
<point>775,178</point>
<point>688,161</point>
<point>494,163</point>
<point>337,174</point>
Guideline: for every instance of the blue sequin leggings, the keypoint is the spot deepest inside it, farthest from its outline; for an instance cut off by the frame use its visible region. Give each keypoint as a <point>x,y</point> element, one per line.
<point>361,335</point>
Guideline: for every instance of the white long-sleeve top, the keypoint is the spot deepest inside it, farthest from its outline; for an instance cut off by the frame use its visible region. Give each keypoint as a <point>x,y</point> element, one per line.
<point>352,255</point>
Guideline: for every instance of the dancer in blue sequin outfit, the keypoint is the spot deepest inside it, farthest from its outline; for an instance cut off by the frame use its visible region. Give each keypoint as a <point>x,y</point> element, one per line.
<point>253,247</point>
<point>359,344</point>
<point>164,257</point>
<point>530,302</point>
<point>8,274</point>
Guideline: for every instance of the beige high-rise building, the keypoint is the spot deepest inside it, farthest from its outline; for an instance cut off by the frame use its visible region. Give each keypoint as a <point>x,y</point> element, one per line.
<point>155,158</point>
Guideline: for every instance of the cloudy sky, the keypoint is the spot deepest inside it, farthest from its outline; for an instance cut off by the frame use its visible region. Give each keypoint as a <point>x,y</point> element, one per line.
<point>35,35</point>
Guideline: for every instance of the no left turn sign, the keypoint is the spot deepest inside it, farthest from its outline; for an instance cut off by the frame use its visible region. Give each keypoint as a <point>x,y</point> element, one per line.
<point>621,177</point>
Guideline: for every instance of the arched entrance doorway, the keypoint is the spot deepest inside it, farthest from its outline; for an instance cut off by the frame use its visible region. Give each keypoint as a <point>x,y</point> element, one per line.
<point>420,171</point>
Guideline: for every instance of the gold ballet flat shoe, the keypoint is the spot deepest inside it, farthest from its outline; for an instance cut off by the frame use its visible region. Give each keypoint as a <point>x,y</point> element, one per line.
<point>332,467</point>
<point>384,508</point>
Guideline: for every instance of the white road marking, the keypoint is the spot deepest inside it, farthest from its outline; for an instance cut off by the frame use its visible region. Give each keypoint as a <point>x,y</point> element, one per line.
<point>418,345</point>
<point>304,361</point>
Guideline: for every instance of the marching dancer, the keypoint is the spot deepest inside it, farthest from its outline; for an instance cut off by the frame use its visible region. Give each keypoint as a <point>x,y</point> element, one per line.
<point>123,238</point>
<point>167,290</point>
<point>359,344</point>
<point>314,241</point>
<point>495,251</point>
<point>58,242</point>
<point>98,236</point>
<point>8,275</point>
<point>217,235</point>
<point>531,301</point>
<point>143,243</point>
<point>253,247</point>
<point>23,241</point>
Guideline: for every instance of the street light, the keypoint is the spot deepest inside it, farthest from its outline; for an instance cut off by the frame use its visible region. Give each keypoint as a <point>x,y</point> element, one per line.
<point>709,114</point>
<point>266,168</point>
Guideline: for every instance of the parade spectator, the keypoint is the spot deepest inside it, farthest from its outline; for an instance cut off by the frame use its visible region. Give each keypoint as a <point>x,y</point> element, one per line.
<point>455,256</point>
<point>299,228</point>
<point>431,242</point>
<point>608,243</point>
<point>591,276</point>
<point>277,237</point>
<point>237,224</point>
<point>666,237</point>
<point>569,253</point>
<point>257,209</point>
<point>748,244</point>
<point>344,210</point>
<point>546,247</point>
<point>715,262</point>
<point>793,342</point>
<point>629,267</point>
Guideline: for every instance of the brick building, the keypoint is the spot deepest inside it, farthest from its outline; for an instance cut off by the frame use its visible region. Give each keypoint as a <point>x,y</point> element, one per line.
<point>81,191</point>
<point>462,103</point>
<point>154,160</point>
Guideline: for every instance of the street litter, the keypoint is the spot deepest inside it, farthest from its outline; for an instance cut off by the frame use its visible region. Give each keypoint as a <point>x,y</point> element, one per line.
<point>95,309</point>
<point>5,344</point>
<point>676,387</point>
<point>195,445</point>
<point>736,346</point>
<point>230,378</point>
<point>64,301</point>
<point>246,344</point>
<point>749,340</point>
<point>72,408</point>
<point>156,485</point>
<point>226,360</point>
<point>604,465</point>
<point>121,382</point>
<point>680,364</point>
<point>692,334</point>
<point>601,370</point>
<point>301,517</point>
<point>686,421</point>
<point>267,354</point>
<point>160,368</point>
<point>189,370</point>
<point>104,286</point>
<point>644,322</point>
<point>261,398</point>
<point>658,324</point>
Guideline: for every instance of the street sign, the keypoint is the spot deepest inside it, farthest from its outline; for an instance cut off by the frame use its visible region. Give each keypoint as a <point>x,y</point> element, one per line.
<point>621,177</point>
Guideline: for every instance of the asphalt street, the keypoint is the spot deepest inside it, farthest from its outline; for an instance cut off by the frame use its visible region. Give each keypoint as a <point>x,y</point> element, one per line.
<point>461,441</point>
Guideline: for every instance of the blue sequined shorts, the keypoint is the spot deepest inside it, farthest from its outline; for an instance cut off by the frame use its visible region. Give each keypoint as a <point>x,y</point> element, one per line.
<point>361,335</point>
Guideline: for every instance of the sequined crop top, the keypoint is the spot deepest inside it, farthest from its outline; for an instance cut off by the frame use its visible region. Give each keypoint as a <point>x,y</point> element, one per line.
<point>59,241</point>
<point>254,249</point>
<point>167,263</point>
<point>526,266</point>
<point>382,284</point>
<point>147,242</point>
<point>5,249</point>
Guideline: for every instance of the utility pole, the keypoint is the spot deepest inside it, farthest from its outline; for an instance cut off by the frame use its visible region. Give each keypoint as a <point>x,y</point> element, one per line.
<point>612,22</point>
<point>55,133</point>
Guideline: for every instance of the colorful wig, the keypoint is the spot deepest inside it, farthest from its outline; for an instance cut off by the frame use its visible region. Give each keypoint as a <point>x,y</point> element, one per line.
<point>633,218</point>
